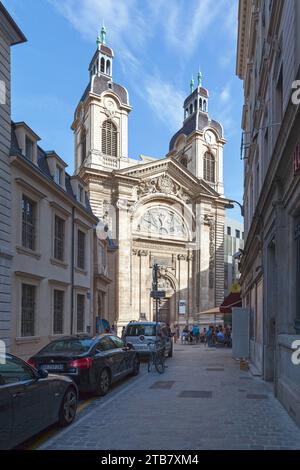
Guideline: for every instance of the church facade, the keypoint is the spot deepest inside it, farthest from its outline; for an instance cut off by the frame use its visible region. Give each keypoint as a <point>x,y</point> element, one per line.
<point>166,211</point>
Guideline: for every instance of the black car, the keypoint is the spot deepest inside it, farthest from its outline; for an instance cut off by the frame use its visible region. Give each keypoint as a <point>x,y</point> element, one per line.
<point>93,363</point>
<point>31,400</point>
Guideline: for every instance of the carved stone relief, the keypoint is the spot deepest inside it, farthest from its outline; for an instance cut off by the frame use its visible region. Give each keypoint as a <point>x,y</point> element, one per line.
<point>162,221</point>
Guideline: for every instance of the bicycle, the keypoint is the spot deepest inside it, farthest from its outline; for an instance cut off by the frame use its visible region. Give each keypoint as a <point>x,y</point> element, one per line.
<point>157,357</point>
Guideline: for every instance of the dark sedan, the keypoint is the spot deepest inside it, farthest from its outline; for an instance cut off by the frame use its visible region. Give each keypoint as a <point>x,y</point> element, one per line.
<point>31,400</point>
<point>93,363</point>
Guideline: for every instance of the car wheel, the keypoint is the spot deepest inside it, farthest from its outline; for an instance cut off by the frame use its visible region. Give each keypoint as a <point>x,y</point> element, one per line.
<point>136,366</point>
<point>68,407</point>
<point>103,383</point>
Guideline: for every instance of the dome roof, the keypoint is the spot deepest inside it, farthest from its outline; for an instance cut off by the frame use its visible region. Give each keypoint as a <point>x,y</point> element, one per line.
<point>101,83</point>
<point>190,125</point>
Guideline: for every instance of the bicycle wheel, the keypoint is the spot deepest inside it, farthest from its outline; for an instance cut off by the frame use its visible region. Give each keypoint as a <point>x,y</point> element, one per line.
<point>150,362</point>
<point>160,363</point>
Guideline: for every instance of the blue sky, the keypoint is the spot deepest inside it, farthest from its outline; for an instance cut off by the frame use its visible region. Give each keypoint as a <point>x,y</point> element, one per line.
<point>158,45</point>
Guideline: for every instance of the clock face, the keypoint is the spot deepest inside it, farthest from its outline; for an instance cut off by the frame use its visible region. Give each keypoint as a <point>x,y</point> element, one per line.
<point>210,137</point>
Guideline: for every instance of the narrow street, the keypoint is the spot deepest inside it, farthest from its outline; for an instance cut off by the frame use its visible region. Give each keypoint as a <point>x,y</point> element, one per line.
<point>203,401</point>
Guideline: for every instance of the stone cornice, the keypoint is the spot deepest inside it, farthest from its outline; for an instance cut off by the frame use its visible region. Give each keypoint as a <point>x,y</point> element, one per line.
<point>242,39</point>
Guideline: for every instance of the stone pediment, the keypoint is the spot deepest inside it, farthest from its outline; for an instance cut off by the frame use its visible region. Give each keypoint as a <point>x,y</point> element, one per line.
<point>169,177</point>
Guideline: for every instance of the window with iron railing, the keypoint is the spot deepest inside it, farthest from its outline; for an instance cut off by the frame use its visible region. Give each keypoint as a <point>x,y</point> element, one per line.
<point>28,310</point>
<point>58,312</point>
<point>28,223</point>
<point>80,249</point>
<point>59,238</point>
<point>80,313</point>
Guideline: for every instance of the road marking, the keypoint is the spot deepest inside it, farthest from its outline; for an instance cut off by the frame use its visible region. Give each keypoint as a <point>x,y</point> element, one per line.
<point>104,402</point>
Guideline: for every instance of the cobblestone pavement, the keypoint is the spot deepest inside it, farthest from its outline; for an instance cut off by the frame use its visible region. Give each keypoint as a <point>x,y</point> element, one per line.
<point>203,401</point>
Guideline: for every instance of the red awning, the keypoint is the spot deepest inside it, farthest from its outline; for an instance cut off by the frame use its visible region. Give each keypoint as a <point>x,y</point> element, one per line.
<point>232,300</point>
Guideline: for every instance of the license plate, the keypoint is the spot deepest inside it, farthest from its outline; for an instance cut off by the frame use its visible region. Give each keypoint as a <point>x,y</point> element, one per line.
<point>52,366</point>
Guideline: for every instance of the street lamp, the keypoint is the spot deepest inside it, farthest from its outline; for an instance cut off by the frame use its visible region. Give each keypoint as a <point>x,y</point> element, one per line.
<point>231,203</point>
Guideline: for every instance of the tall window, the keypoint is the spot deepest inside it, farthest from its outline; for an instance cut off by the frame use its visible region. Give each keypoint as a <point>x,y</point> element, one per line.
<point>28,223</point>
<point>109,139</point>
<point>108,67</point>
<point>59,238</point>
<point>28,310</point>
<point>83,145</point>
<point>80,313</point>
<point>209,168</point>
<point>80,249</point>
<point>58,312</point>
<point>102,65</point>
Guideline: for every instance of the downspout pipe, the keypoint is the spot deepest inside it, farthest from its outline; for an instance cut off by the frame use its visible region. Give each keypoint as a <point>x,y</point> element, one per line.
<point>72,270</point>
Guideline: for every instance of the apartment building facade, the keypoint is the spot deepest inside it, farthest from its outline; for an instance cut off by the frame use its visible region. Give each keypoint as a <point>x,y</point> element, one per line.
<point>10,34</point>
<point>52,240</point>
<point>268,62</point>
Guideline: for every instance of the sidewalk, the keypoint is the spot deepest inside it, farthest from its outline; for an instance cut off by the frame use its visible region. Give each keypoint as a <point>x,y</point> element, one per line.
<point>203,401</point>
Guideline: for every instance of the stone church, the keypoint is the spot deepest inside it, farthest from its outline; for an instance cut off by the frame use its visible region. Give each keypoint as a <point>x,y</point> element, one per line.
<point>167,211</point>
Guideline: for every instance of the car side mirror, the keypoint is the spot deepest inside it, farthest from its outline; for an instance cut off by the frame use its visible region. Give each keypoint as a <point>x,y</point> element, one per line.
<point>128,346</point>
<point>42,374</point>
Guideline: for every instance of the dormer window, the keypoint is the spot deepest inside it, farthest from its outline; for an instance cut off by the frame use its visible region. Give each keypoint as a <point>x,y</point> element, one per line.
<point>58,175</point>
<point>108,67</point>
<point>191,108</point>
<point>80,193</point>
<point>29,148</point>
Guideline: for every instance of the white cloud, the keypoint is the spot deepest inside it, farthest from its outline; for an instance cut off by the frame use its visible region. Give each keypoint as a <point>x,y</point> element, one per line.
<point>186,22</point>
<point>178,24</point>
<point>225,95</point>
<point>165,100</point>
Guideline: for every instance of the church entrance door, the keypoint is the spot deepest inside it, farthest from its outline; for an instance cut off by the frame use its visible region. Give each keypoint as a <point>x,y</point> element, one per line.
<point>163,310</point>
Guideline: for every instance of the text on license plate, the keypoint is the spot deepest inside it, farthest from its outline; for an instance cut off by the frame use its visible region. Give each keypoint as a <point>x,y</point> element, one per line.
<point>52,366</point>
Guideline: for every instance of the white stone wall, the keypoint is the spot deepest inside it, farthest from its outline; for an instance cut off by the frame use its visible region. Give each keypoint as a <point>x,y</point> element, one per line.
<point>5,191</point>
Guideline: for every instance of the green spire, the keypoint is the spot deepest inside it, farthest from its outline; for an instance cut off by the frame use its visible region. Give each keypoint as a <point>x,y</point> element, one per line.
<point>192,84</point>
<point>199,78</point>
<point>98,42</point>
<point>103,35</point>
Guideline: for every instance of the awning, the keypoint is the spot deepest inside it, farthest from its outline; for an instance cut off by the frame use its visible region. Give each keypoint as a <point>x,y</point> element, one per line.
<point>232,300</point>
<point>212,311</point>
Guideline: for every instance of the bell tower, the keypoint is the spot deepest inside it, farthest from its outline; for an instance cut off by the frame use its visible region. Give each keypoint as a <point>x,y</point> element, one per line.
<point>198,145</point>
<point>100,124</point>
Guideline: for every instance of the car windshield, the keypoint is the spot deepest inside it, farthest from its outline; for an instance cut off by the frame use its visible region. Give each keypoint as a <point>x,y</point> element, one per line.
<point>140,330</point>
<point>69,346</point>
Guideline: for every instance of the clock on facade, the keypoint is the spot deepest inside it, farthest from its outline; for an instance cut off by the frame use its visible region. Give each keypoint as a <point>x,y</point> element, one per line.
<point>210,137</point>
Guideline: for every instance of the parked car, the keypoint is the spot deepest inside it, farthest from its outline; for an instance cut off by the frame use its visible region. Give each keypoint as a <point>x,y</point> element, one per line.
<point>92,363</point>
<point>139,334</point>
<point>31,400</point>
